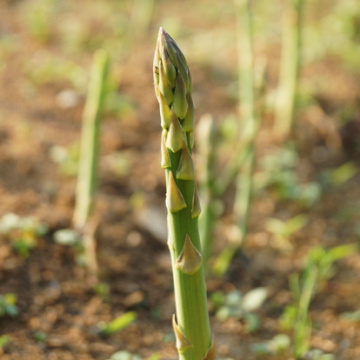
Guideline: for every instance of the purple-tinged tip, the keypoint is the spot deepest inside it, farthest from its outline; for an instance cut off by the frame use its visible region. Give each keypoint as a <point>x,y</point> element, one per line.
<point>164,34</point>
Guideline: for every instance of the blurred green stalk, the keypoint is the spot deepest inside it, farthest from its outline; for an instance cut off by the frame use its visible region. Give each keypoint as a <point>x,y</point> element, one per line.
<point>302,325</point>
<point>248,122</point>
<point>289,68</point>
<point>173,90</point>
<point>251,105</point>
<point>141,14</point>
<point>89,147</point>
<point>248,126</point>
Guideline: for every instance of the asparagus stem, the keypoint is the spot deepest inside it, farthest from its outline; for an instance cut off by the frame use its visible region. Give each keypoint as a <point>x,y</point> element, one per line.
<point>244,187</point>
<point>89,149</point>
<point>244,162</point>
<point>236,161</point>
<point>289,70</point>
<point>251,107</point>
<point>173,90</point>
<point>141,14</point>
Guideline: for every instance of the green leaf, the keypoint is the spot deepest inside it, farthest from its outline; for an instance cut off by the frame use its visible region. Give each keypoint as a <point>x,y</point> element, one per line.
<point>317,354</point>
<point>275,226</point>
<point>279,343</point>
<point>260,348</point>
<point>295,224</point>
<point>4,340</point>
<point>40,336</point>
<point>103,290</point>
<point>276,346</point>
<point>119,323</point>
<point>124,355</point>
<point>217,298</point>
<point>288,317</point>
<point>23,246</point>
<point>253,299</point>
<point>154,357</point>
<point>67,237</point>
<point>9,222</point>
<point>223,313</point>
<point>7,305</point>
<point>233,298</point>
<point>343,173</point>
<point>252,322</point>
<point>351,316</point>
<point>342,251</point>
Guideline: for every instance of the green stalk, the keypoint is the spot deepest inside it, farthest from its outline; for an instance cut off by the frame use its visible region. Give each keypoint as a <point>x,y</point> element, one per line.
<point>173,90</point>
<point>242,206</point>
<point>89,147</point>
<point>235,162</point>
<point>289,68</point>
<point>302,327</point>
<point>249,121</point>
<point>141,14</point>
<point>88,164</point>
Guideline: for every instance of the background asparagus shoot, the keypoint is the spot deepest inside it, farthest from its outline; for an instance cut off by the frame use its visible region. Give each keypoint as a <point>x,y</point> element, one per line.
<point>89,149</point>
<point>213,185</point>
<point>173,90</point>
<point>248,125</point>
<point>248,118</point>
<point>289,68</point>
<point>207,146</point>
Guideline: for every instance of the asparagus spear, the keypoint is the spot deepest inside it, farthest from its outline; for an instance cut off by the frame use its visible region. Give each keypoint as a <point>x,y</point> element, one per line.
<point>290,68</point>
<point>244,181</point>
<point>173,89</point>
<point>88,164</point>
<point>87,175</point>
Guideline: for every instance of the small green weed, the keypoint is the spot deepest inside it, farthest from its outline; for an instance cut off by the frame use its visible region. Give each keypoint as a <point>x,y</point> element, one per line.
<point>124,355</point>
<point>70,237</point>
<point>276,346</point>
<point>8,305</point>
<point>278,174</point>
<point>282,230</point>
<point>23,232</point>
<point>239,306</point>
<point>317,270</point>
<point>4,340</point>
<point>66,158</point>
<point>339,175</point>
<point>119,323</point>
<point>39,18</point>
<point>40,336</point>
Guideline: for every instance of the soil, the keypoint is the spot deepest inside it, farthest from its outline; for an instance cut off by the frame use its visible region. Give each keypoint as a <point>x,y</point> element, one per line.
<point>55,295</point>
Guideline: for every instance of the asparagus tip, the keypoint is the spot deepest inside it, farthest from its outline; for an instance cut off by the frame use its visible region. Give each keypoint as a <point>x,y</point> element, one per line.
<point>162,31</point>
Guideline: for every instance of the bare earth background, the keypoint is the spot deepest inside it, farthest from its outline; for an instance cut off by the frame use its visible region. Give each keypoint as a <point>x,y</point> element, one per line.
<point>45,56</point>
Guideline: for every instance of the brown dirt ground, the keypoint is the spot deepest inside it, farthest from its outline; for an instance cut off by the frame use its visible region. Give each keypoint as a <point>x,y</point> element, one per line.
<point>53,293</point>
